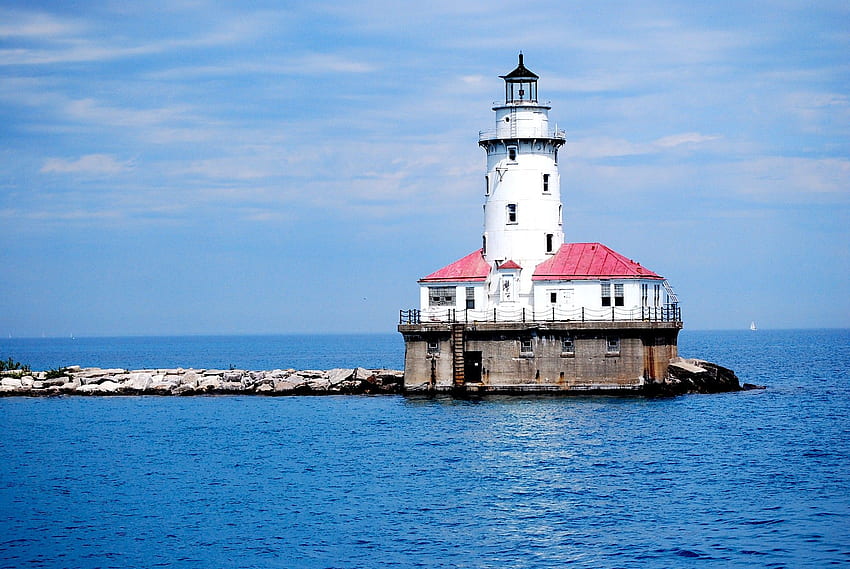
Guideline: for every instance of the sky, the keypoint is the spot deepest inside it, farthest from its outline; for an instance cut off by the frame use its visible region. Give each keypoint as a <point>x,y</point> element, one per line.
<point>199,167</point>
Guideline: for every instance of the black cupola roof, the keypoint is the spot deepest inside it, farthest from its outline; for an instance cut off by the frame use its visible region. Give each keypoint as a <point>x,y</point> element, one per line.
<point>521,72</point>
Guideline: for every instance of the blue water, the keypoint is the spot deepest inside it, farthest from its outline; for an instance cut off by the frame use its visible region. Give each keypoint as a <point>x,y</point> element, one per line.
<point>210,352</point>
<point>749,479</point>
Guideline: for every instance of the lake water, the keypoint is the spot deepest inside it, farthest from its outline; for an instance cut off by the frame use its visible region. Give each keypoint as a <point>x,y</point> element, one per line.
<point>749,479</point>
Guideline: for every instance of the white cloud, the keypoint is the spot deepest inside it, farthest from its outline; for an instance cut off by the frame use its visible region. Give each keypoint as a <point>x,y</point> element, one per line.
<point>68,41</point>
<point>309,63</point>
<point>684,138</point>
<point>35,25</point>
<point>593,148</point>
<point>91,164</point>
<point>780,179</point>
<point>90,110</point>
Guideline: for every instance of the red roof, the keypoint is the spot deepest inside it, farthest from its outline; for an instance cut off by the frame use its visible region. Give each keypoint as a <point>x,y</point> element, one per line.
<point>471,268</point>
<point>583,261</point>
<point>509,265</point>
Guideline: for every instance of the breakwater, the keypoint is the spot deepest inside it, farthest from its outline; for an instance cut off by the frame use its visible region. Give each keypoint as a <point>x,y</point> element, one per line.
<point>75,380</point>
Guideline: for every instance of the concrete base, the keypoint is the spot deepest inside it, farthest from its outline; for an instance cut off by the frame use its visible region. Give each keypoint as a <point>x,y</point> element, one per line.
<point>530,357</point>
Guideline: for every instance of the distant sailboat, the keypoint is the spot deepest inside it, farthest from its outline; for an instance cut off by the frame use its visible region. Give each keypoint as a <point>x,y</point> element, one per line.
<point>753,326</point>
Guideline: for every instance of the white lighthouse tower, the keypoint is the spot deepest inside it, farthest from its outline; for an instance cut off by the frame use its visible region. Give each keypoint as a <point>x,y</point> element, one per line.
<point>523,219</point>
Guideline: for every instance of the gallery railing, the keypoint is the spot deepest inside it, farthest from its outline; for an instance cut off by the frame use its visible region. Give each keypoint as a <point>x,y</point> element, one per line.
<point>669,313</point>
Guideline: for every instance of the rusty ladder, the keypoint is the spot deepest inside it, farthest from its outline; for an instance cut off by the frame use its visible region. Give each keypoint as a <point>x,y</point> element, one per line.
<point>457,354</point>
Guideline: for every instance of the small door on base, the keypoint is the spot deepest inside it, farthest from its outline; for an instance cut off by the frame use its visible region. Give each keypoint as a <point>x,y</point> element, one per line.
<point>472,367</point>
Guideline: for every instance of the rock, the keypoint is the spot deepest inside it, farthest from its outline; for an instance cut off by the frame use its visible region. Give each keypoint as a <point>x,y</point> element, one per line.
<point>210,384</point>
<point>190,378</point>
<point>138,381</point>
<point>336,376</point>
<point>752,386</point>
<point>183,390</point>
<point>70,386</point>
<point>694,376</point>
<point>284,386</point>
<point>13,382</point>
<point>318,384</point>
<point>105,387</point>
<point>233,375</point>
<point>96,381</point>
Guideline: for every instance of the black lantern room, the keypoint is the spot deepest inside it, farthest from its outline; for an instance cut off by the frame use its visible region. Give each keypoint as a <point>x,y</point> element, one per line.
<point>520,85</point>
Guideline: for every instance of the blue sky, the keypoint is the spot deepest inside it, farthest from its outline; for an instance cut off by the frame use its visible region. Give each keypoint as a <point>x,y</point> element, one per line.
<point>195,167</point>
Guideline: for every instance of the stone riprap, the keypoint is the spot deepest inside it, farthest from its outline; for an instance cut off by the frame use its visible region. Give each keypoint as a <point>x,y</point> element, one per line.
<point>75,380</point>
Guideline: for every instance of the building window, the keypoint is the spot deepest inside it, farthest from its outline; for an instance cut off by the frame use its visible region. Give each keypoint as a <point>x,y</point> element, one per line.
<point>550,243</point>
<point>511,209</point>
<point>507,293</point>
<point>644,294</point>
<point>657,295</point>
<point>619,299</point>
<point>606,294</point>
<point>441,296</point>
<point>525,348</point>
<point>568,347</point>
<point>563,296</point>
<point>545,183</point>
<point>512,153</point>
<point>470,297</point>
<point>613,346</point>
<point>433,346</point>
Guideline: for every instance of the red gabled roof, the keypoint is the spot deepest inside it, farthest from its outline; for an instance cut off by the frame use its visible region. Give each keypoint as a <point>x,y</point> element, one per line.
<point>471,268</point>
<point>509,265</point>
<point>582,261</point>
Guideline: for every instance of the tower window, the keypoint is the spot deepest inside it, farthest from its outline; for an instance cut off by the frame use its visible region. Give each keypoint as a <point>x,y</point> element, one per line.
<point>545,183</point>
<point>511,209</point>
<point>487,185</point>
<point>550,243</point>
<point>483,244</point>
<point>560,215</point>
<point>511,153</point>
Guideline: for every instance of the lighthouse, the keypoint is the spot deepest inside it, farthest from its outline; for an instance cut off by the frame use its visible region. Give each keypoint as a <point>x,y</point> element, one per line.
<point>528,311</point>
<point>523,215</point>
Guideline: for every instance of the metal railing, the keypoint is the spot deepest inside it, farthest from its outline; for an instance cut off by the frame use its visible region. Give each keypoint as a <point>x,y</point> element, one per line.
<point>522,132</point>
<point>668,313</point>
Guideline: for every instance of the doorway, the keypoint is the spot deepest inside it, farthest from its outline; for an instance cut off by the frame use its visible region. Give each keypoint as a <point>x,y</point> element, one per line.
<point>472,367</point>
